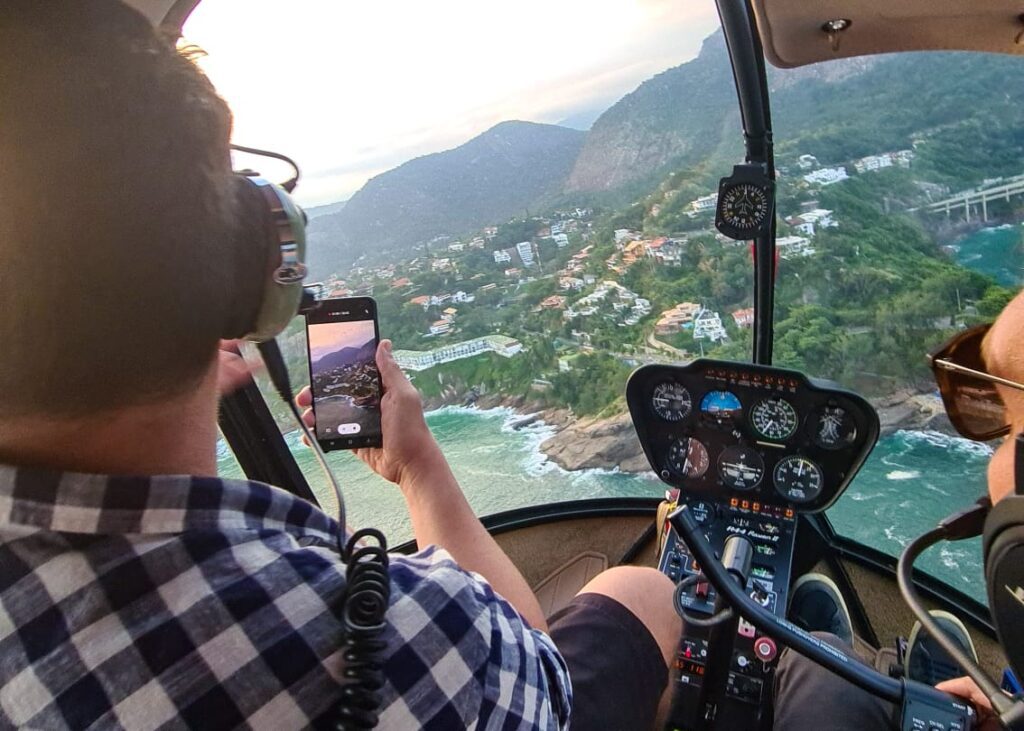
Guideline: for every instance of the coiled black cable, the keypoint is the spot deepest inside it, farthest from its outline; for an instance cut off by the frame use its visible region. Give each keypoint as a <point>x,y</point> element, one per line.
<point>362,610</point>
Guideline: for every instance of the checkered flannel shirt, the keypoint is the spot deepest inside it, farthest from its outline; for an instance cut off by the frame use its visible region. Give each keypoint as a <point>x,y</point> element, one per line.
<point>173,602</point>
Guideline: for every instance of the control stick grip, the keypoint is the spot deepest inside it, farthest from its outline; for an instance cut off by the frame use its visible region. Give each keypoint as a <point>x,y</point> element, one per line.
<point>737,557</point>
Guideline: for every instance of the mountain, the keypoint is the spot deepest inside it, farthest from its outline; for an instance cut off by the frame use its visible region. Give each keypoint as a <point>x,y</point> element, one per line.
<point>836,111</point>
<point>508,169</point>
<point>346,356</point>
<point>324,210</point>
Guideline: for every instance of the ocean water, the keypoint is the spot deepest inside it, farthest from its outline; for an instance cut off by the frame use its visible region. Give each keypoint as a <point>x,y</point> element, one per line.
<point>994,251</point>
<point>911,480</point>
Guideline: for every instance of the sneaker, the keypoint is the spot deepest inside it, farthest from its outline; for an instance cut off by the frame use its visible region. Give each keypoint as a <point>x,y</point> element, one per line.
<point>926,661</point>
<point>817,605</point>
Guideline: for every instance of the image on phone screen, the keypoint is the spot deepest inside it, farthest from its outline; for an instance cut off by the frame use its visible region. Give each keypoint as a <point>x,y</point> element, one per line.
<point>344,378</point>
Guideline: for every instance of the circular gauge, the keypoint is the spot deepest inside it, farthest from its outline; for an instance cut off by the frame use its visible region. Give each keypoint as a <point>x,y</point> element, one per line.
<point>740,468</point>
<point>688,457</point>
<point>671,401</point>
<point>834,428</point>
<point>721,407</point>
<point>798,479</point>
<point>775,419</point>
<point>703,512</point>
<point>744,206</point>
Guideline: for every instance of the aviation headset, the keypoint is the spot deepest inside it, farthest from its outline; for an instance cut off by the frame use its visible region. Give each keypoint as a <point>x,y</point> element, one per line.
<point>1003,548</point>
<point>282,238</point>
<point>281,232</point>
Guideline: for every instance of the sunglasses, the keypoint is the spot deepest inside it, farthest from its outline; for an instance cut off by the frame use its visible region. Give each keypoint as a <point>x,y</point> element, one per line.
<point>968,392</point>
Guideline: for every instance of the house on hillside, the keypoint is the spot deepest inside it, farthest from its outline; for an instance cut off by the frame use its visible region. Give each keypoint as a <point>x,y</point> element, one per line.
<point>421,301</point>
<point>441,327</point>
<point>502,256</point>
<point>791,247</point>
<point>561,240</point>
<point>707,325</point>
<point>744,318</point>
<point>677,318</point>
<point>525,250</point>
<point>827,176</point>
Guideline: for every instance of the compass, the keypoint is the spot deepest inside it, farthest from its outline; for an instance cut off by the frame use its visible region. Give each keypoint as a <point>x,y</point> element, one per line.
<point>745,203</point>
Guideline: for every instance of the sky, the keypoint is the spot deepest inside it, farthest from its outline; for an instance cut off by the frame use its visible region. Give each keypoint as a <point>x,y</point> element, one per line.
<point>327,337</point>
<point>350,89</point>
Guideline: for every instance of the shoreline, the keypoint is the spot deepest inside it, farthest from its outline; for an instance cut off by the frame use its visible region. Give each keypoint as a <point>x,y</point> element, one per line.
<point>610,443</point>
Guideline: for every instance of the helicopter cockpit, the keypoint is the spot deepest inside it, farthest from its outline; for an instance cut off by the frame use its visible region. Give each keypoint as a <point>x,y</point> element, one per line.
<point>736,460</point>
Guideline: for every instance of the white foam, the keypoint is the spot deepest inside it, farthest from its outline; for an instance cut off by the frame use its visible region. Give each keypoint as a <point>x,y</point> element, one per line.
<point>947,442</point>
<point>903,475</point>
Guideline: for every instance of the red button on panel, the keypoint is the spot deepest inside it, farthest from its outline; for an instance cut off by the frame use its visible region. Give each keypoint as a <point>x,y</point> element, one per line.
<point>765,649</point>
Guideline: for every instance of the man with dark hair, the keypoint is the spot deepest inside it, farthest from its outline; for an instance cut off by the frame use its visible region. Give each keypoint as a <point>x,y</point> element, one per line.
<point>138,590</point>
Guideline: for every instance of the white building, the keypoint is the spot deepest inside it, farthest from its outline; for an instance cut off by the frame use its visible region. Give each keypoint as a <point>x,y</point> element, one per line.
<point>810,222</point>
<point>704,203</point>
<point>708,325</point>
<point>561,240</point>
<point>461,296</point>
<point>623,234</point>
<point>827,176</point>
<point>501,256</point>
<point>871,163</point>
<point>806,162</point>
<point>439,265</point>
<point>525,249</point>
<point>457,246</point>
<point>790,247</point>
<point>419,360</point>
<point>441,327</point>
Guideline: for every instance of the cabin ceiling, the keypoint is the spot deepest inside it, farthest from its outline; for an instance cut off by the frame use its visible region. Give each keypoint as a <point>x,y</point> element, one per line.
<point>792,35</point>
<point>168,13</point>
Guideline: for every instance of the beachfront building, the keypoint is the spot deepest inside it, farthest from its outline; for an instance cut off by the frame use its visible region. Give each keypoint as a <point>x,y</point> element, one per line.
<point>420,360</point>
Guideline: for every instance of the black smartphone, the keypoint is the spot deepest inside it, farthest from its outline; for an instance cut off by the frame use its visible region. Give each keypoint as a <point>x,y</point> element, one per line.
<point>342,335</point>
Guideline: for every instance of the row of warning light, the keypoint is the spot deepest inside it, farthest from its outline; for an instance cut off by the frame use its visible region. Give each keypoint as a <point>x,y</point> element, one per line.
<point>763,509</point>
<point>755,378</point>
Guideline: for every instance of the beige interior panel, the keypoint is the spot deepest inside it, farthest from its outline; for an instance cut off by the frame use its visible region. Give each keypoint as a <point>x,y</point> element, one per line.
<point>539,550</point>
<point>891,618</point>
<point>558,589</point>
<point>792,36</point>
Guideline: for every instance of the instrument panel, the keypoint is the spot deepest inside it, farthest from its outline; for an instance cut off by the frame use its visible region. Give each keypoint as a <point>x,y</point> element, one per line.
<point>755,433</point>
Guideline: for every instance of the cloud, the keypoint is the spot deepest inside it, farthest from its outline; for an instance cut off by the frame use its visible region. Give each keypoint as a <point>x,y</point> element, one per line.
<point>352,89</point>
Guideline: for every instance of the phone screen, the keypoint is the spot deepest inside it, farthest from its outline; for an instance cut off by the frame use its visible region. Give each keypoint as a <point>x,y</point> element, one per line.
<point>343,337</point>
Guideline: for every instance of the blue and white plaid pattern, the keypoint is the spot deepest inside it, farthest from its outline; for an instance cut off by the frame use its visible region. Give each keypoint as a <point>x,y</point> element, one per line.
<point>176,602</point>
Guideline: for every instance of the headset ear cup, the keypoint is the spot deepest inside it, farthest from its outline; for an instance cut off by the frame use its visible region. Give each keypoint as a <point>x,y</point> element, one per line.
<point>271,256</point>
<point>1004,576</point>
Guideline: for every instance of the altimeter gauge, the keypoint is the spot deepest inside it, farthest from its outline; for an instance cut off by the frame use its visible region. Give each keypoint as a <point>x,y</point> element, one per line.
<point>798,479</point>
<point>671,401</point>
<point>774,418</point>
<point>746,202</point>
<point>740,468</point>
<point>688,457</point>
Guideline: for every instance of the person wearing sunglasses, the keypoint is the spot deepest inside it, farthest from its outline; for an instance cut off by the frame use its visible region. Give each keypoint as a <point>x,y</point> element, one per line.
<point>980,376</point>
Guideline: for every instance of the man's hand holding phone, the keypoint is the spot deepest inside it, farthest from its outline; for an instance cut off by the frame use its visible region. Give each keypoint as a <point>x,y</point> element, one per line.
<point>409,454</point>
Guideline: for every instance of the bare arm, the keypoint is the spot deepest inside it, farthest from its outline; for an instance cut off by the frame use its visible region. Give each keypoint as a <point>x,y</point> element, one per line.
<point>440,514</point>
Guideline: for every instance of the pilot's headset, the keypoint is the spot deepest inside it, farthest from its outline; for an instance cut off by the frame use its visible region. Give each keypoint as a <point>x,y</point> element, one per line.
<point>271,239</point>
<point>1004,565</point>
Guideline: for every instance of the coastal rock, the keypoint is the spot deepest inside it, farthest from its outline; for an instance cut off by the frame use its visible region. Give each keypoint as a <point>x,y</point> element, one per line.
<point>597,443</point>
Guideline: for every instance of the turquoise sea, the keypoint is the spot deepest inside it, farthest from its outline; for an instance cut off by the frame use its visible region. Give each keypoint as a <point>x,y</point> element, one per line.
<point>911,480</point>
<point>998,252</point>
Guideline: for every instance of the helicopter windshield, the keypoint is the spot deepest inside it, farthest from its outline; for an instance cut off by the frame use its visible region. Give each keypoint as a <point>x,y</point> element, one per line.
<point>529,193</point>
